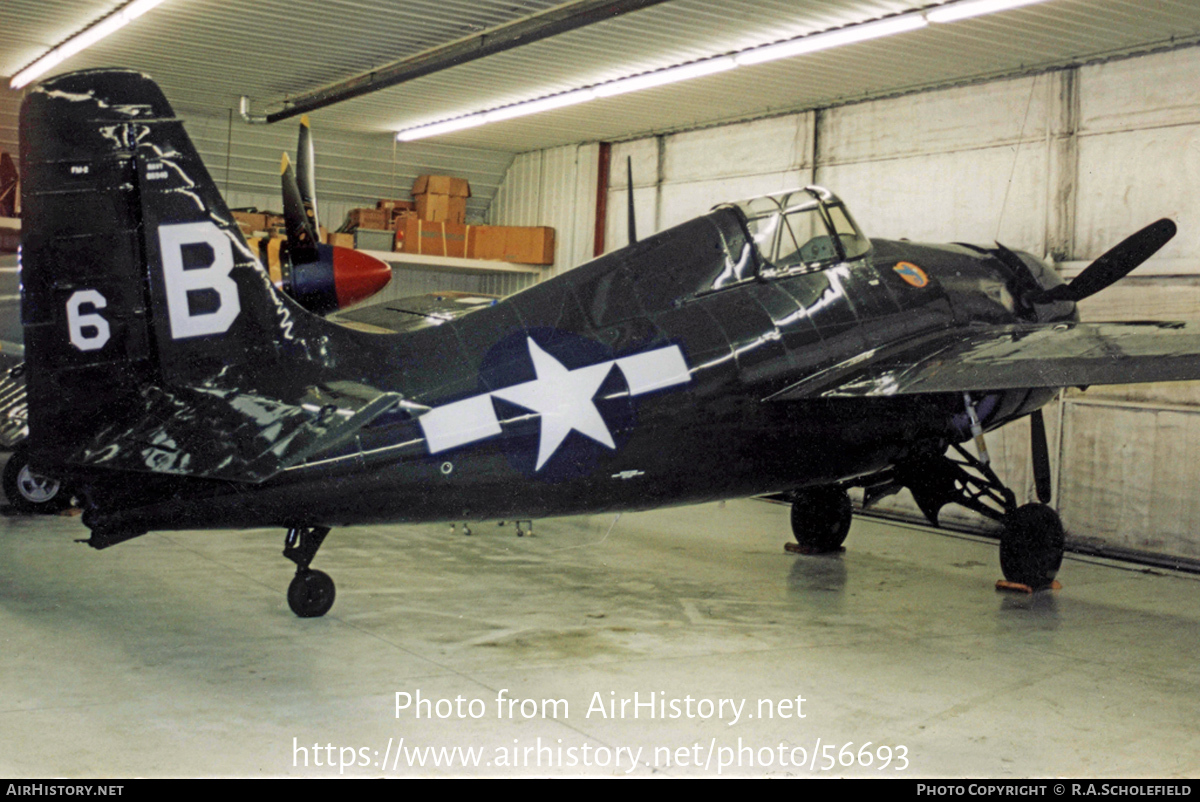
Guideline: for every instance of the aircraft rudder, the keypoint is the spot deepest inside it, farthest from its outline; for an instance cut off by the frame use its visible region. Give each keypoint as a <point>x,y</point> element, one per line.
<point>83,304</point>
<point>133,271</point>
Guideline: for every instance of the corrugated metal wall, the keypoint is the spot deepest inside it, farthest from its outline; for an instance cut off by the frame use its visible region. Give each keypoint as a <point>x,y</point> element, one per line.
<point>679,176</point>
<point>555,187</point>
<point>1066,163</point>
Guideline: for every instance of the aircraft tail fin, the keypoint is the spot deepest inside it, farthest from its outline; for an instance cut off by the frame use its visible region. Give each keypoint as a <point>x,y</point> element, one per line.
<point>136,280</point>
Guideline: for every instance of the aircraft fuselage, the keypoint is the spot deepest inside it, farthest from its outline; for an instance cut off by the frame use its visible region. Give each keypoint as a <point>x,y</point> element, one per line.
<point>635,381</point>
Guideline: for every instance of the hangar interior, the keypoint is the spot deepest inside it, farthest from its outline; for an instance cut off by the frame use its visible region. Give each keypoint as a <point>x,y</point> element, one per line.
<point>1058,128</point>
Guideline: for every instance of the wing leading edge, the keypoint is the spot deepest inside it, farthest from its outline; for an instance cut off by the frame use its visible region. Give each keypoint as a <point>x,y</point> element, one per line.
<point>1013,356</point>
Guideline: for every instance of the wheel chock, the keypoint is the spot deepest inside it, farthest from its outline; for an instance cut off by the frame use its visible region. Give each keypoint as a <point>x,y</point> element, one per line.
<point>796,548</point>
<point>1017,587</point>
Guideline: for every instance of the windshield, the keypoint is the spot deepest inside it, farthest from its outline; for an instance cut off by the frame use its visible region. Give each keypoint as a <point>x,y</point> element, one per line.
<point>803,228</point>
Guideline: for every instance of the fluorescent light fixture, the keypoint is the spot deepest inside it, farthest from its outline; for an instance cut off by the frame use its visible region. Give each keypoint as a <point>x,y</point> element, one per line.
<point>953,12</point>
<point>82,40</point>
<point>668,76</point>
<point>544,104</point>
<point>618,87</point>
<point>837,38</point>
<point>811,43</point>
<point>449,126</point>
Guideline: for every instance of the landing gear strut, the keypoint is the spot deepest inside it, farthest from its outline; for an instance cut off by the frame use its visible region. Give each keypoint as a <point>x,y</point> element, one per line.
<point>1031,542</point>
<point>311,593</point>
<point>820,518</point>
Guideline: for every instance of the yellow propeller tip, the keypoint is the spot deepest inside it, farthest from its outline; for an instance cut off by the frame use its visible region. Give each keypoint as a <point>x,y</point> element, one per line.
<point>283,164</point>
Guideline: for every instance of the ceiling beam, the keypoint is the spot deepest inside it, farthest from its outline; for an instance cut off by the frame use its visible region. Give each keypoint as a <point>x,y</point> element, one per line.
<point>549,23</point>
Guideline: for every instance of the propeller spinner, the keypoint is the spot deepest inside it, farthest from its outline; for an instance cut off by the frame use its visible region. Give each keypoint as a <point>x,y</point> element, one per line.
<point>322,278</point>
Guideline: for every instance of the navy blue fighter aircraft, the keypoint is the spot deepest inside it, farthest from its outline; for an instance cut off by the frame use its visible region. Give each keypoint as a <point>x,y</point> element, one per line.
<point>765,347</point>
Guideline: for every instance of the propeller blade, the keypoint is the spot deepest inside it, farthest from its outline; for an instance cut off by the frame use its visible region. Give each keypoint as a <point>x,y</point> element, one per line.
<point>1040,452</point>
<point>306,175</point>
<point>629,195</point>
<point>302,237</point>
<point>1113,265</point>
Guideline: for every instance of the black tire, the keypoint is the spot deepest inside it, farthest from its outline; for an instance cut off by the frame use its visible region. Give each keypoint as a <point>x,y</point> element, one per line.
<point>311,593</point>
<point>31,492</point>
<point>821,518</point>
<point>1031,545</point>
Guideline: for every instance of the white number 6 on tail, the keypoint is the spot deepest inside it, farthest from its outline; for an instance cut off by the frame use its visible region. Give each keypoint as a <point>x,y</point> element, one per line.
<point>83,325</point>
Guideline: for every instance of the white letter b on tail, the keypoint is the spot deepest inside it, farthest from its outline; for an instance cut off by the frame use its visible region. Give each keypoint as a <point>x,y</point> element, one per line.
<point>184,280</point>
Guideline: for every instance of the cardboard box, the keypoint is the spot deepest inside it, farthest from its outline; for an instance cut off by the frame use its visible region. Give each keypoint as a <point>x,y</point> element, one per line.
<point>400,227</point>
<point>442,208</point>
<point>276,224</point>
<point>526,245</point>
<point>369,218</point>
<point>395,206</point>
<point>251,223</point>
<point>433,239</point>
<point>341,240</point>
<point>441,185</point>
<point>441,198</point>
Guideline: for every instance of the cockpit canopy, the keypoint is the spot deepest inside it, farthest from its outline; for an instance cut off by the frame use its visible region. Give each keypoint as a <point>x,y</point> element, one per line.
<point>800,229</point>
<point>761,239</point>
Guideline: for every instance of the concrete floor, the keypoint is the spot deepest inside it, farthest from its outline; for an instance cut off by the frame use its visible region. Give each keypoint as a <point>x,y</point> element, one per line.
<point>176,655</point>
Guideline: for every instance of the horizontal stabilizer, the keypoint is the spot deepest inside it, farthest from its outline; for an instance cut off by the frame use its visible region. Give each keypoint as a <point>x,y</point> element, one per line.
<point>418,311</point>
<point>981,358</point>
<point>224,434</point>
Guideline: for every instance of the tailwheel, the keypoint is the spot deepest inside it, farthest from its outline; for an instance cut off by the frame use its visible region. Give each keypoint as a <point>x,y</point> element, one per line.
<point>28,491</point>
<point>1031,546</point>
<point>311,593</point>
<point>821,518</point>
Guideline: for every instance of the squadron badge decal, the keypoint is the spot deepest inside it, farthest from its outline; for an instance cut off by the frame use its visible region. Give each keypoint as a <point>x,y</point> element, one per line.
<point>912,275</point>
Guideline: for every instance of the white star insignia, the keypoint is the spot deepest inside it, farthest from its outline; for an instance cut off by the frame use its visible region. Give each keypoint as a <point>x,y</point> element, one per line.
<point>563,398</point>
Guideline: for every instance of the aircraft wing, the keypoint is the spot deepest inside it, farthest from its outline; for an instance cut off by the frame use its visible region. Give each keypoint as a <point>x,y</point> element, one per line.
<point>227,434</point>
<point>416,312</point>
<point>1013,356</point>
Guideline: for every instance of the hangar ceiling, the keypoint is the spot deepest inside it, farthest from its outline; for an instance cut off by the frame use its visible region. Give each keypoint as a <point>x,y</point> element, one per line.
<point>208,53</point>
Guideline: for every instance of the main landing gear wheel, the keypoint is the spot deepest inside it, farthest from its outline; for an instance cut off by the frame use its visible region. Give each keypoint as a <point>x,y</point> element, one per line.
<point>31,492</point>
<point>311,593</point>
<point>1031,545</point>
<point>821,518</point>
